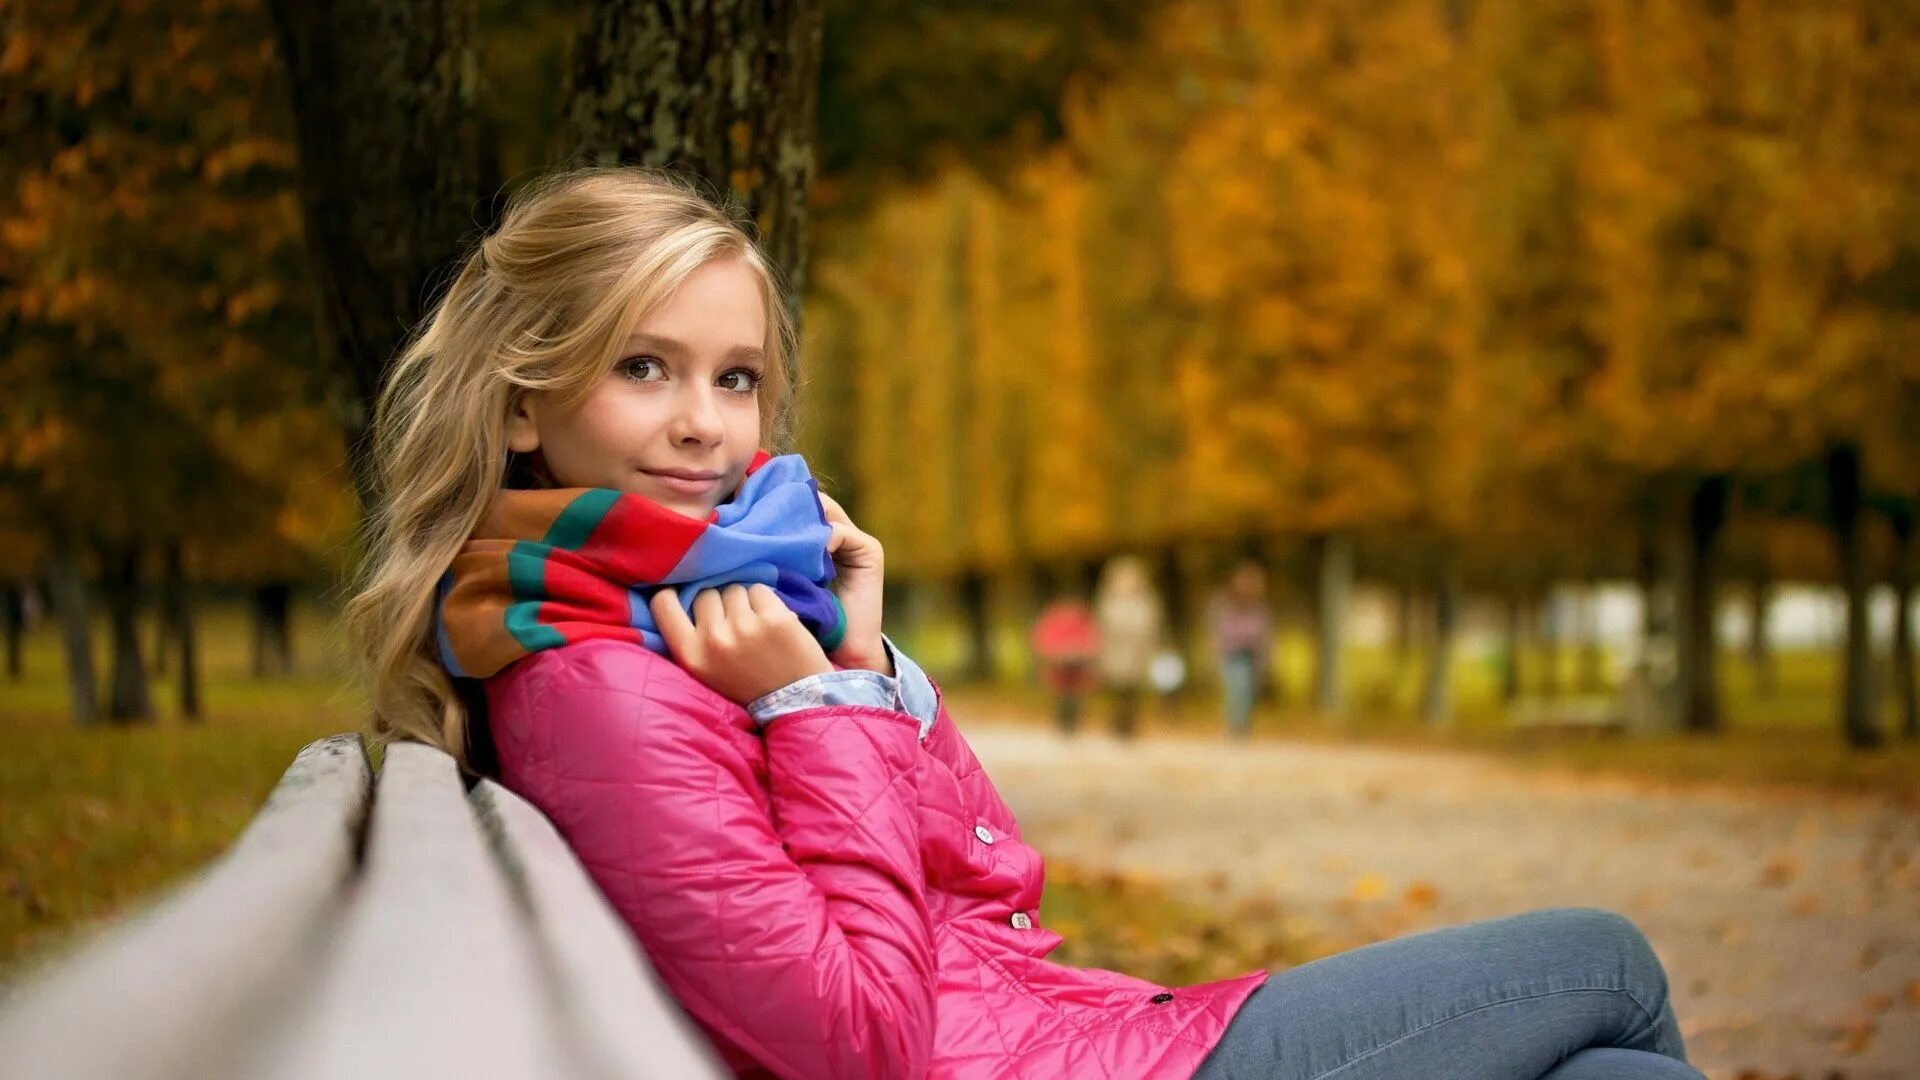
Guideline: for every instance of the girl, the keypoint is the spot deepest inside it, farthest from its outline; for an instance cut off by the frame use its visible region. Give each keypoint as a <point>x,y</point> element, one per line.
<point>581,525</point>
<point>1128,610</point>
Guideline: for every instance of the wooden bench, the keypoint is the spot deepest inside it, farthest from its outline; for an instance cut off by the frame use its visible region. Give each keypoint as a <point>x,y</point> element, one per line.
<point>405,927</point>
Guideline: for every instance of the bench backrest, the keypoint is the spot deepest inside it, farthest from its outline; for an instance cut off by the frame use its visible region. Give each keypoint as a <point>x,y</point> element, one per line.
<point>407,927</point>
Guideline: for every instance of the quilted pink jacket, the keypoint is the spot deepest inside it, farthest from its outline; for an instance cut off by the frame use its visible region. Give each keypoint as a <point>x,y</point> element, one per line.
<point>831,897</point>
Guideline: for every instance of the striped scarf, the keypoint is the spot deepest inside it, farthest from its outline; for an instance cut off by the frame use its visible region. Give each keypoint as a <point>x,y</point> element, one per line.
<point>554,566</point>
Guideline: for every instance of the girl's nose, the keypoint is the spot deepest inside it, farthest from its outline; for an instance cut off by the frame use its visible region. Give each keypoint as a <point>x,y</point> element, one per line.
<point>697,420</point>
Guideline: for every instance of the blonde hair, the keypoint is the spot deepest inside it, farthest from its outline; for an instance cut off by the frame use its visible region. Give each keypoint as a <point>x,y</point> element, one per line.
<point>540,305</point>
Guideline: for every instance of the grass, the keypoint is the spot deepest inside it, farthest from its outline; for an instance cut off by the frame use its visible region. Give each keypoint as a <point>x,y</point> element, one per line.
<point>99,819</point>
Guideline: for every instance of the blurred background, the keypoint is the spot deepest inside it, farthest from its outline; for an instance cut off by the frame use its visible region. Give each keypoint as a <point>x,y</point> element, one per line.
<point>1545,375</point>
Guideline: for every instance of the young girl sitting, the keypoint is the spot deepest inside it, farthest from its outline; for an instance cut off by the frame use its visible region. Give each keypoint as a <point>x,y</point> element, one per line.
<point>662,635</point>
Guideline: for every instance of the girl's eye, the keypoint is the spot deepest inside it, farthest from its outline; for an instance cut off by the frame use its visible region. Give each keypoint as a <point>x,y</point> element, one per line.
<point>745,381</point>
<point>642,368</point>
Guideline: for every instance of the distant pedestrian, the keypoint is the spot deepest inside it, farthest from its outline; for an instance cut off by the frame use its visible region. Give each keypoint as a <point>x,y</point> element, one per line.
<point>1066,642</point>
<point>1240,622</point>
<point>1128,610</point>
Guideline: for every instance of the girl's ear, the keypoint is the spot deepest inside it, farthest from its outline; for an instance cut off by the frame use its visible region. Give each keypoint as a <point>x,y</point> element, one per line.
<point>523,433</point>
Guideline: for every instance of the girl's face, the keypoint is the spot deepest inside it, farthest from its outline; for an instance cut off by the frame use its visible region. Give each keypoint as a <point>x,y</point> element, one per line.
<point>677,419</point>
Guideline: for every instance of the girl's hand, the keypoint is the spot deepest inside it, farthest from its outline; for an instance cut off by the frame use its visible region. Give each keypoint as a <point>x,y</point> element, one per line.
<point>742,641</point>
<point>860,572</point>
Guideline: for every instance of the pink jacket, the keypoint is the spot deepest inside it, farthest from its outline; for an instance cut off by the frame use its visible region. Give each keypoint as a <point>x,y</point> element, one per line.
<point>830,897</point>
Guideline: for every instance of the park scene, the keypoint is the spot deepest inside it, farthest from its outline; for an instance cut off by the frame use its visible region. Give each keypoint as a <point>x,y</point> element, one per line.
<point>1349,469</point>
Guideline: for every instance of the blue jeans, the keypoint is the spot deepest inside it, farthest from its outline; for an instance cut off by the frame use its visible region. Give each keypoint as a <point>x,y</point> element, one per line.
<point>1564,994</point>
<point>1238,674</point>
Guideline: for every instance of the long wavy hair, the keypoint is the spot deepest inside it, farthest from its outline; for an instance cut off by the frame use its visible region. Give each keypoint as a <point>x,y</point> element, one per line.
<point>539,305</point>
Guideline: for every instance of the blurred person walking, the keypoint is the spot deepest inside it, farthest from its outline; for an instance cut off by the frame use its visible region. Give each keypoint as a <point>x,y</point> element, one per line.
<point>1240,622</point>
<point>1066,642</point>
<point>1128,610</point>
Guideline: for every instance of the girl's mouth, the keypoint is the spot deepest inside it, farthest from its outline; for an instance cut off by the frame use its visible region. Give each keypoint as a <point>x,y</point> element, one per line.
<point>683,482</point>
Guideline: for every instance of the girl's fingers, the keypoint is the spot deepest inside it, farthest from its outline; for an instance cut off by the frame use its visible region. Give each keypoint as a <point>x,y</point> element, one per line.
<point>836,536</point>
<point>834,511</point>
<point>673,624</point>
<point>765,602</point>
<point>707,609</point>
<point>734,599</point>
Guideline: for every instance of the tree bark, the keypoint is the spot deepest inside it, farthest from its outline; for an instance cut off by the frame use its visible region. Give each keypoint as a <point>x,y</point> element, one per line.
<point>1176,600</point>
<point>1516,640</point>
<point>1699,654</point>
<point>15,600</point>
<point>1858,723</point>
<point>974,610</point>
<point>1656,570</point>
<point>1334,564</point>
<point>1547,618</point>
<point>1592,655</point>
<point>1905,692</point>
<point>724,89</point>
<point>1436,699</point>
<point>382,94</point>
<point>67,592</point>
<point>1759,647</point>
<point>177,617</point>
<point>1402,627</point>
<point>128,699</point>
<point>272,629</point>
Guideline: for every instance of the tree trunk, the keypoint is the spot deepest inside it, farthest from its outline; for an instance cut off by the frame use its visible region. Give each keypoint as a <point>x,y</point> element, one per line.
<point>728,91</point>
<point>974,610</point>
<point>1547,618</point>
<point>272,630</point>
<point>1402,627</point>
<point>177,617</point>
<point>382,94</point>
<point>1176,600</point>
<point>1334,563</point>
<point>67,592</point>
<point>1592,654</point>
<point>162,634</point>
<point>128,700</point>
<point>1759,648</point>
<point>1516,640</point>
<point>1858,723</point>
<point>14,597</point>
<point>1436,699</point>
<point>1904,690</point>
<point>1699,654</point>
<point>1656,568</point>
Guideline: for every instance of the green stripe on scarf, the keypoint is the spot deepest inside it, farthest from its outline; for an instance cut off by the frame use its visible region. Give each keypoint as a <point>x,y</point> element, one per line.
<point>527,578</point>
<point>580,518</point>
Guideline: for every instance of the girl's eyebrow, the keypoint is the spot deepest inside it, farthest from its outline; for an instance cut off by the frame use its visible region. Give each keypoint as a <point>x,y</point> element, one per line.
<point>737,354</point>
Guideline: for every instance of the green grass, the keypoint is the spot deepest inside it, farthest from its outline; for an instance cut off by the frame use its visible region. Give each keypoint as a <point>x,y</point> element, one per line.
<point>98,819</point>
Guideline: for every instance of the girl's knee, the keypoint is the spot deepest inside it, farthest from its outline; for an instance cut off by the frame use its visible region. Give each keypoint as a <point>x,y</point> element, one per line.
<point>1599,932</point>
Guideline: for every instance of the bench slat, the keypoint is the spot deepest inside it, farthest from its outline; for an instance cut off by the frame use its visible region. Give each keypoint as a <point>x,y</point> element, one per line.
<point>169,992</point>
<point>434,973</point>
<point>623,1020</point>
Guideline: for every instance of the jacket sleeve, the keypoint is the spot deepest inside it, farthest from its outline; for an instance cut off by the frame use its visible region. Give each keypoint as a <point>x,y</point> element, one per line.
<point>794,924</point>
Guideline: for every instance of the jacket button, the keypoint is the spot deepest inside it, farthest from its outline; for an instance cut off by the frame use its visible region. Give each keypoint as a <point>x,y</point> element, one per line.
<point>1162,998</point>
<point>981,831</point>
<point>1022,921</point>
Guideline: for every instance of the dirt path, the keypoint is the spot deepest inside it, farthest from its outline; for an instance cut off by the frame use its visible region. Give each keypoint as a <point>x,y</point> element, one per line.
<point>1790,923</point>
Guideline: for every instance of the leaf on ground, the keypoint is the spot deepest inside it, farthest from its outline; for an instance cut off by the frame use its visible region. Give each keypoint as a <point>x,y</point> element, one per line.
<point>1422,895</point>
<point>1779,872</point>
<point>1368,888</point>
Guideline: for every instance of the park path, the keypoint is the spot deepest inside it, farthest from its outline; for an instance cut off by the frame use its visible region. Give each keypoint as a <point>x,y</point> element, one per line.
<point>1789,922</point>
